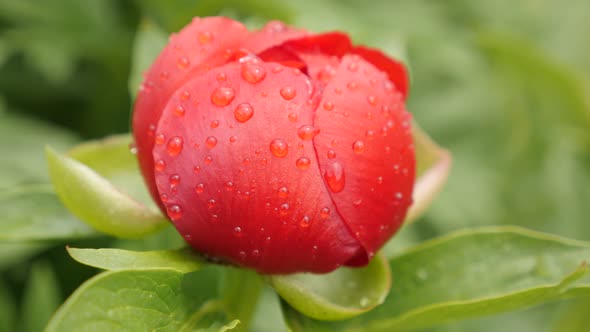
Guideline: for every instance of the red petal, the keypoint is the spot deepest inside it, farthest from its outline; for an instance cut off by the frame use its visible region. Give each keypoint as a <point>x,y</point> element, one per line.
<point>229,199</point>
<point>202,44</point>
<point>395,70</point>
<point>365,151</point>
<point>274,33</point>
<point>320,53</point>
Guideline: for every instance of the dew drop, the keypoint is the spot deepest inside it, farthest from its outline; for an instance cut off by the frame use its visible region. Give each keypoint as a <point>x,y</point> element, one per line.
<point>255,253</point>
<point>210,142</point>
<point>208,160</point>
<point>277,69</point>
<point>211,204</point>
<point>357,202</point>
<point>380,180</point>
<point>325,213</point>
<point>284,209</point>
<point>164,76</point>
<point>328,106</point>
<point>238,231</point>
<point>303,163</point>
<point>229,186</point>
<point>205,37</point>
<point>197,169</point>
<point>278,148</point>
<point>174,146</point>
<point>233,138</point>
<point>243,112</point>
<point>399,196</point>
<point>338,91</point>
<point>174,212</point>
<point>199,188</point>
<point>334,177</point>
<point>164,198</point>
<point>253,73</point>
<point>223,96</point>
<point>370,134</point>
<point>183,62</point>
<point>293,117</point>
<point>358,147</point>
<point>185,95</point>
<point>242,255</point>
<point>331,154</point>
<point>352,85</point>
<point>353,66</point>
<point>160,139</point>
<point>307,132</point>
<point>214,124</point>
<point>174,179</point>
<point>160,165</point>
<point>179,111</point>
<point>288,92</point>
<point>283,192</point>
<point>305,222</point>
<point>372,100</point>
<point>221,77</point>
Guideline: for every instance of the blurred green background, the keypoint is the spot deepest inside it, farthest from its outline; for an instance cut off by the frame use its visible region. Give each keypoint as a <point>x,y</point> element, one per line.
<point>504,85</point>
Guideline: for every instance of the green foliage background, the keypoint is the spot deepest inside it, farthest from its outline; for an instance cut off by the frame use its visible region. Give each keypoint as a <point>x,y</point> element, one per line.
<point>505,85</point>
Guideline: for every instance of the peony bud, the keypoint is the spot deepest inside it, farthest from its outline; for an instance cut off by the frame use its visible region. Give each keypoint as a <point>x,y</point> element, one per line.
<point>278,150</point>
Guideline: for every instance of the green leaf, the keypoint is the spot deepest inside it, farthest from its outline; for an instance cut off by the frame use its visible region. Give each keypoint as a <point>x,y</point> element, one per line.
<point>173,15</point>
<point>433,165</point>
<point>34,213</point>
<point>240,290</point>
<point>471,274</point>
<point>150,300</point>
<point>149,42</point>
<point>41,298</point>
<point>14,253</point>
<point>111,158</point>
<point>21,143</point>
<point>95,200</point>
<point>180,260</point>
<point>344,293</point>
<point>7,308</point>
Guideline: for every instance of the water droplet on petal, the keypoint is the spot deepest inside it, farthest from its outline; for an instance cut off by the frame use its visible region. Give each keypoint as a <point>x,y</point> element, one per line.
<point>334,176</point>
<point>208,160</point>
<point>325,213</point>
<point>229,186</point>
<point>197,169</point>
<point>211,142</point>
<point>305,222</point>
<point>183,62</point>
<point>293,117</point>
<point>185,95</point>
<point>174,212</point>
<point>174,146</point>
<point>279,148</point>
<point>358,147</point>
<point>243,112</point>
<point>199,188</point>
<point>252,73</point>
<point>164,198</point>
<point>221,77</point>
<point>283,192</point>
<point>284,209</point>
<point>214,124</point>
<point>179,111</point>
<point>331,154</point>
<point>160,139</point>
<point>238,231</point>
<point>380,180</point>
<point>372,100</point>
<point>211,204</point>
<point>288,92</point>
<point>328,106</point>
<point>307,132</point>
<point>164,75</point>
<point>174,179</point>
<point>223,96</point>
<point>205,37</point>
<point>233,138</point>
<point>353,66</point>
<point>303,163</point>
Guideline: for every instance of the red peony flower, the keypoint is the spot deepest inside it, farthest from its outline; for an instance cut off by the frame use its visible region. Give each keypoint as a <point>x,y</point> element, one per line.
<point>279,149</point>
